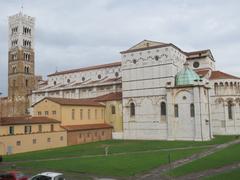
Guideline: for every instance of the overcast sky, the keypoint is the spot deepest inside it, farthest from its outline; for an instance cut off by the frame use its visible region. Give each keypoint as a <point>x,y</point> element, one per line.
<point>77,33</point>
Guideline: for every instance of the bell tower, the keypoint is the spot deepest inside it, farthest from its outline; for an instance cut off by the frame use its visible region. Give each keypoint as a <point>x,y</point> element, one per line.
<point>21,75</point>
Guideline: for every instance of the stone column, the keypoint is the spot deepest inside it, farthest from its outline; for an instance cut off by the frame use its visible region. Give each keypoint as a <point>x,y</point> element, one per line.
<point>170,114</point>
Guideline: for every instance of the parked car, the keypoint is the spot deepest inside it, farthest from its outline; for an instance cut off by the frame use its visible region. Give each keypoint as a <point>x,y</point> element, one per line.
<point>48,176</point>
<point>13,175</point>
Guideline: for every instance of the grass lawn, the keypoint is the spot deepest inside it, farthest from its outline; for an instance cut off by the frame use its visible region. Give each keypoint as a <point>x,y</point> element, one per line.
<point>115,146</point>
<point>226,156</point>
<point>233,175</point>
<point>112,165</point>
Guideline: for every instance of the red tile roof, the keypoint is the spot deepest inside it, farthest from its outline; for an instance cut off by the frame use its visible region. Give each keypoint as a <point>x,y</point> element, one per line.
<point>202,72</point>
<point>87,127</point>
<point>115,96</point>
<point>222,75</point>
<point>87,68</point>
<point>73,102</point>
<point>4,121</point>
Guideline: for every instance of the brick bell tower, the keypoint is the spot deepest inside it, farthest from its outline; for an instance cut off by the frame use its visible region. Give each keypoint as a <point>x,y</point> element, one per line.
<point>21,75</point>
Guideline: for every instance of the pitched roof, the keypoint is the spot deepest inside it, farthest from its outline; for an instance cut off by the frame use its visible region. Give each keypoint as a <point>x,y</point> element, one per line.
<point>199,54</point>
<point>145,44</point>
<point>4,121</point>
<point>222,75</point>
<point>73,102</point>
<point>146,48</point>
<point>87,127</point>
<point>87,68</point>
<point>115,96</point>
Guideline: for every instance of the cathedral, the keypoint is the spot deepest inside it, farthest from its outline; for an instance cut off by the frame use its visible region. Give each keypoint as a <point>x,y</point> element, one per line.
<point>165,92</point>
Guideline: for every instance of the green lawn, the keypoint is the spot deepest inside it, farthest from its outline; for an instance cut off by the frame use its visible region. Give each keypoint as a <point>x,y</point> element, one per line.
<point>233,175</point>
<point>223,157</point>
<point>112,165</point>
<point>138,156</point>
<point>115,146</point>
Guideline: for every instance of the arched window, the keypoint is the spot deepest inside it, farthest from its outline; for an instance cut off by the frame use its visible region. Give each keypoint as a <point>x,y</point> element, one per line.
<point>132,109</point>
<point>192,110</point>
<point>68,81</point>
<point>26,83</point>
<point>163,109</point>
<point>215,87</point>
<point>55,83</point>
<point>113,110</point>
<point>176,110</point>
<point>230,110</point>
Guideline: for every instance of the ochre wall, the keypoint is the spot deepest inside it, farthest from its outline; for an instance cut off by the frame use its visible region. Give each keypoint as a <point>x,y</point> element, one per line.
<point>116,120</point>
<point>19,129</point>
<point>49,106</point>
<point>86,136</point>
<point>27,142</point>
<point>67,115</point>
<point>64,113</point>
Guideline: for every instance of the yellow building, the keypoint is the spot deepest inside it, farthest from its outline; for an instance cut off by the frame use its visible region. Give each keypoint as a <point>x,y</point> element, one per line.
<point>26,133</point>
<point>84,119</point>
<point>113,110</point>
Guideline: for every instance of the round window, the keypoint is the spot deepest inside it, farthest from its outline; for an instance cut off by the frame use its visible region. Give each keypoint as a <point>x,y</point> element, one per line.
<point>196,64</point>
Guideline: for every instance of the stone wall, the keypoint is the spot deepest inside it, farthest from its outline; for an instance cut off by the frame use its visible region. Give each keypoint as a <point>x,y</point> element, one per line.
<point>86,136</point>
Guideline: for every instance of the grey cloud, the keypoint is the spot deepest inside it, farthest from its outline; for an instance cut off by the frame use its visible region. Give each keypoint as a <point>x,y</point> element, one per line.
<point>72,33</point>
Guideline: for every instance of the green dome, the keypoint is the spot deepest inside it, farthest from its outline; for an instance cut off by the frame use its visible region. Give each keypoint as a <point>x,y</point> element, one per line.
<point>186,77</point>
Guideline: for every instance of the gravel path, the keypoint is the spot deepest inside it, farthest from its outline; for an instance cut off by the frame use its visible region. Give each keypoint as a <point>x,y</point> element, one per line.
<point>158,173</point>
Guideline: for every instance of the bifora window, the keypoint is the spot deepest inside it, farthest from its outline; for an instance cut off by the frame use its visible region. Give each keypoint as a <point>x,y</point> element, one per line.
<point>27,129</point>
<point>11,130</point>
